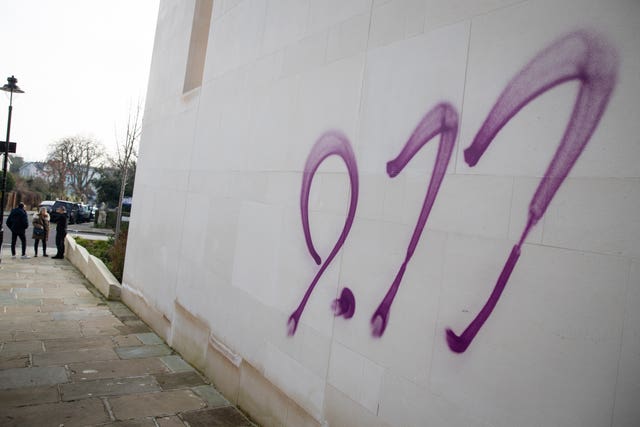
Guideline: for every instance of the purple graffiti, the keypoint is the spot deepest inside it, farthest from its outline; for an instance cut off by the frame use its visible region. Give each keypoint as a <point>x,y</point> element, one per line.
<point>344,306</point>
<point>330,143</point>
<point>441,120</point>
<point>581,56</point>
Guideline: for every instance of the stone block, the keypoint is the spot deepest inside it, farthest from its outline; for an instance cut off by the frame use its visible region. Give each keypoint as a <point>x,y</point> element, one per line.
<point>159,321</point>
<point>219,417</point>
<point>212,396</point>
<point>224,374</point>
<point>143,422</point>
<point>28,396</point>
<point>143,351</point>
<point>155,404</point>
<point>27,377</point>
<point>171,421</point>
<point>77,343</point>
<point>176,363</point>
<point>14,348</point>
<point>179,380</point>
<point>189,335</point>
<point>68,414</point>
<point>149,338</point>
<point>61,358</point>
<point>126,340</point>
<point>115,369</point>
<point>133,327</point>
<point>18,361</point>
<point>108,387</point>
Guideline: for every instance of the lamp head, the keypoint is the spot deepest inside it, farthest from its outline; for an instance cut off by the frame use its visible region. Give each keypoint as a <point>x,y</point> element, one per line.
<point>12,86</point>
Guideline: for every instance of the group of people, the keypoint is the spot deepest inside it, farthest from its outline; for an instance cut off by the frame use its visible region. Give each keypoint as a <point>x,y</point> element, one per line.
<point>18,222</point>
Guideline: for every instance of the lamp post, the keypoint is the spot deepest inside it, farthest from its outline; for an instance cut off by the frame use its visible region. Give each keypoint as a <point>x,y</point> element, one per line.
<point>11,87</point>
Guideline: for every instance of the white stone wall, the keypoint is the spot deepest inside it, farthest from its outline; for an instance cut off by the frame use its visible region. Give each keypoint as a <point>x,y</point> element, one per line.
<point>216,229</point>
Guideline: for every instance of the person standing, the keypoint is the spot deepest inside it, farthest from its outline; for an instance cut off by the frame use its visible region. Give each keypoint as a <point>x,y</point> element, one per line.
<point>61,231</point>
<point>18,222</point>
<point>41,231</point>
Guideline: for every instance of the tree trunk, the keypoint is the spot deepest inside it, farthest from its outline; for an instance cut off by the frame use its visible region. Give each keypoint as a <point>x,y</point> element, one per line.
<point>123,184</point>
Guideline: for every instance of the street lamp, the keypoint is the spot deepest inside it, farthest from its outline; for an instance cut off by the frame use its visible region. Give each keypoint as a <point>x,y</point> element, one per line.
<point>11,87</point>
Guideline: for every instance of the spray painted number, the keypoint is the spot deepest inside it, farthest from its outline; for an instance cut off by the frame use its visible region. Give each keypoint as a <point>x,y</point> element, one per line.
<point>441,120</point>
<point>579,56</point>
<point>330,143</point>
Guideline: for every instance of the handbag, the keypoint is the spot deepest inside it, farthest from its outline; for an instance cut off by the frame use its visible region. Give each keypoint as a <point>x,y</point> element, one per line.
<point>38,232</point>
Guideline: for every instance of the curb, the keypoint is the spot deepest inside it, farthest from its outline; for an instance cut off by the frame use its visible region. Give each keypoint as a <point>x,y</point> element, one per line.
<point>100,233</point>
<point>93,269</point>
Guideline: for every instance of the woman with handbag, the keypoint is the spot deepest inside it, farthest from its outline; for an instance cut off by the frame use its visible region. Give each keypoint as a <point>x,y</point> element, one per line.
<point>41,230</point>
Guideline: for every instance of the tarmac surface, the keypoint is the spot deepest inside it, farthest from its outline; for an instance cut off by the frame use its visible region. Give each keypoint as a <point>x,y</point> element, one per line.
<point>70,358</point>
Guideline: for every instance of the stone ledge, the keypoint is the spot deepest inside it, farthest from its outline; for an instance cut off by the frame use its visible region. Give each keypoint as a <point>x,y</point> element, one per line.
<point>93,269</point>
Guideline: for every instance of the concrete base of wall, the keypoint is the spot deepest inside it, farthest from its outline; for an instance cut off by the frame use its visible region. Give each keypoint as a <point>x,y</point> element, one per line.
<point>93,269</point>
<point>240,383</point>
<point>156,320</point>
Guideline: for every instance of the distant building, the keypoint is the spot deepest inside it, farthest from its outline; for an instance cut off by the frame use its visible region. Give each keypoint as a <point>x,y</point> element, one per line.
<point>33,170</point>
<point>38,170</point>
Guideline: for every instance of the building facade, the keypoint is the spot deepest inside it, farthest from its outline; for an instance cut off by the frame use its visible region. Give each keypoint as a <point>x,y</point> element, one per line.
<point>396,213</point>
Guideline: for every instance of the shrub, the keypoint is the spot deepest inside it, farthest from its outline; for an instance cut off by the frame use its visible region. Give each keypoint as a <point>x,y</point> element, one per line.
<point>117,254</point>
<point>111,252</point>
<point>98,248</point>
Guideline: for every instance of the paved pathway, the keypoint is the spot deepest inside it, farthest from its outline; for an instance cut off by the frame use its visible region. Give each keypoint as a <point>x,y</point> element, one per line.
<point>70,358</point>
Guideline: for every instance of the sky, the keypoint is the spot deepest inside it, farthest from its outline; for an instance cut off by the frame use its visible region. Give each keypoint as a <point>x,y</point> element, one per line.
<point>83,64</point>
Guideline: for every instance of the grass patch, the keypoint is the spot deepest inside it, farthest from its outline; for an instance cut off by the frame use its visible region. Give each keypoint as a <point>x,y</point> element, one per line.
<point>111,252</point>
<point>98,248</point>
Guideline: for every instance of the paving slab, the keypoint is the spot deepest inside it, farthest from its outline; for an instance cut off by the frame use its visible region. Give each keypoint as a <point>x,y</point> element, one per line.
<point>149,338</point>
<point>48,334</point>
<point>17,361</point>
<point>28,396</point>
<point>172,421</point>
<point>116,369</point>
<point>144,422</point>
<point>176,363</point>
<point>176,380</point>
<point>28,377</point>
<point>68,414</point>
<point>133,327</point>
<point>21,347</point>
<point>126,340</point>
<point>61,358</point>
<point>121,311</point>
<point>21,309</point>
<point>77,343</point>
<point>108,387</point>
<point>143,351</point>
<point>219,417</point>
<point>79,315</point>
<point>155,404</point>
<point>210,395</point>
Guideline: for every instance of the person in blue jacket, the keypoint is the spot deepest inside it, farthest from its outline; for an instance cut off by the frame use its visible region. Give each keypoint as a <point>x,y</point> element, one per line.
<point>18,222</point>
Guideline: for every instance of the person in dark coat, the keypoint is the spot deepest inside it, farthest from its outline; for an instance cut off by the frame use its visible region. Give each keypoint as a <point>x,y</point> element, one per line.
<point>61,232</point>
<point>18,222</point>
<point>41,231</point>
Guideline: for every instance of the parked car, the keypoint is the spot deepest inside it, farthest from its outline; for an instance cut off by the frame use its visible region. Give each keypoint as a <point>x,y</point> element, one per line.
<point>84,213</point>
<point>52,207</point>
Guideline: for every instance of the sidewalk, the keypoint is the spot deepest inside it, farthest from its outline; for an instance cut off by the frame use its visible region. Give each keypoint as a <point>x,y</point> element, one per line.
<point>70,358</point>
<point>88,228</point>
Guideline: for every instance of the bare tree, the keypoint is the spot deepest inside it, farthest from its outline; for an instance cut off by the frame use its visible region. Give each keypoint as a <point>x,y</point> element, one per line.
<point>126,156</point>
<point>73,161</point>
